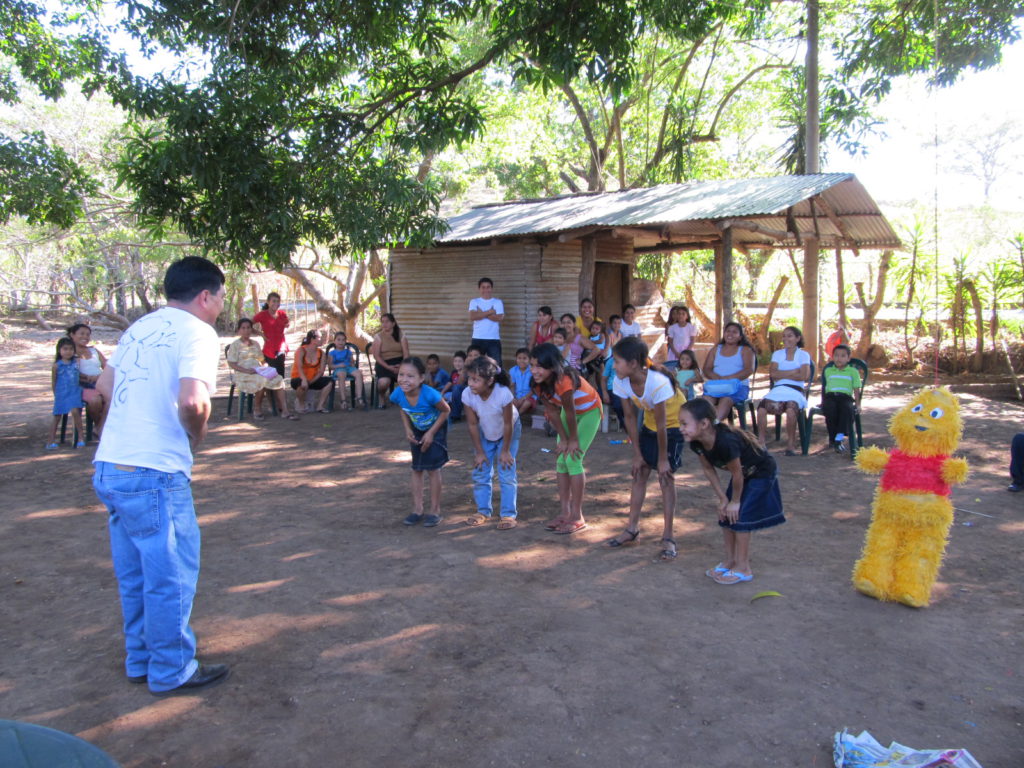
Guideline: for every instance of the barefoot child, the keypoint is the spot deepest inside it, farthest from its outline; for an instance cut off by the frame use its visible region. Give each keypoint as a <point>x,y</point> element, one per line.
<point>573,408</point>
<point>67,392</point>
<point>652,389</point>
<point>494,429</point>
<point>752,499</point>
<point>425,418</point>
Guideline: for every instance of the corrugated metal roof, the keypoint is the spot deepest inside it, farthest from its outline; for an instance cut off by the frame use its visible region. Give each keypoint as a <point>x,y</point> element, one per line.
<point>693,201</point>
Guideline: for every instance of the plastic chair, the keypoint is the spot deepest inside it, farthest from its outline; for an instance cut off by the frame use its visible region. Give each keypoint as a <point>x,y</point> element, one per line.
<point>64,429</point>
<point>374,394</point>
<point>351,378</point>
<point>801,415</point>
<point>244,400</point>
<point>855,430</point>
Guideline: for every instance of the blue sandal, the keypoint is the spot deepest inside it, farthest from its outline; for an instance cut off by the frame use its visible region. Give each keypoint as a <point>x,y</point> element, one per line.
<point>734,577</point>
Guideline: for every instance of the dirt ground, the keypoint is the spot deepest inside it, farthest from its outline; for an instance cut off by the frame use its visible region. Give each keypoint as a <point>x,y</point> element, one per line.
<point>356,641</point>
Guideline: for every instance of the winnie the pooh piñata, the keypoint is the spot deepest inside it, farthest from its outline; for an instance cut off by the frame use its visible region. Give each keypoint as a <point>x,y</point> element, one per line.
<point>911,514</point>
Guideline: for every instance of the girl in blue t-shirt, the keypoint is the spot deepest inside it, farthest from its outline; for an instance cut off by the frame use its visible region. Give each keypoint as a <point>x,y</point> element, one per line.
<point>425,418</point>
<point>342,364</point>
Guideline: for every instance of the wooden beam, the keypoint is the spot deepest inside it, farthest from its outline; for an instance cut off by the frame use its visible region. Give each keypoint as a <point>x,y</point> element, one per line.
<point>750,226</point>
<point>810,323</point>
<point>575,234</point>
<point>677,247</point>
<point>719,322</point>
<point>727,275</point>
<point>587,267</point>
<point>841,283</point>
<point>836,221</point>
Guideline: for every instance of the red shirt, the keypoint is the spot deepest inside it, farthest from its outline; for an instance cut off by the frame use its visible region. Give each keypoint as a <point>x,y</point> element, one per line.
<point>273,327</point>
<point>915,474</point>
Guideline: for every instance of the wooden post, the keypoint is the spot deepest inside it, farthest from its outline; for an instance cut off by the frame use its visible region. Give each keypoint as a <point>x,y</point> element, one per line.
<point>810,329</point>
<point>812,118</point>
<point>727,275</point>
<point>719,322</point>
<point>587,267</point>
<point>841,283</point>
<point>255,298</point>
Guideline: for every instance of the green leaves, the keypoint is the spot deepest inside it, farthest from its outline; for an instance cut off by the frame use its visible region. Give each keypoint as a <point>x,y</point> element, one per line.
<point>40,182</point>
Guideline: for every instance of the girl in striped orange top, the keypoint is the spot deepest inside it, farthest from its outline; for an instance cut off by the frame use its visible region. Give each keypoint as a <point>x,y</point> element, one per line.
<point>573,408</point>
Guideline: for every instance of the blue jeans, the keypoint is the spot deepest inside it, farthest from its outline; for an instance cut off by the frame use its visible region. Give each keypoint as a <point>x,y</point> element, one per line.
<point>456,401</point>
<point>491,348</point>
<point>154,543</point>
<point>482,476</point>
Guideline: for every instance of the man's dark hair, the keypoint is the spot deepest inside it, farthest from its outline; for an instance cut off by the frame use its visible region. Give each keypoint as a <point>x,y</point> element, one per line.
<point>190,276</point>
<point>433,357</point>
<point>483,280</point>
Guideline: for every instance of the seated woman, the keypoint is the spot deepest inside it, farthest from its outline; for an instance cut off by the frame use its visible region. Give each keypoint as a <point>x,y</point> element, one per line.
<point>390,348</point>
<point>543,327</point>
<point>789,372</point>
<point>245,358</point>
<point>308,373</point>
<point>91,363</point>
<point>727,370</point>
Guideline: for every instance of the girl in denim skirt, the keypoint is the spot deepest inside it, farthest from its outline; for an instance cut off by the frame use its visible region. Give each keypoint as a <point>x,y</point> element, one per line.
<point>425,418</point>
<point>751,501</point>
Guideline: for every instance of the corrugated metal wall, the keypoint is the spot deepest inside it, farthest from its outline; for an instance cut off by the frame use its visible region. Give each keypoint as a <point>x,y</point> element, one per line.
<point>431,290</point>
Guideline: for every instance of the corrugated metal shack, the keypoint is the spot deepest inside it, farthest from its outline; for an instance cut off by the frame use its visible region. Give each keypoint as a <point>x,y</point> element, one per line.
<point>557,251</point>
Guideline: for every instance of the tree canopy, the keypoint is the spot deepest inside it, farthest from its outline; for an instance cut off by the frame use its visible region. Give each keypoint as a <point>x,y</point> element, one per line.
<point>307,122</point>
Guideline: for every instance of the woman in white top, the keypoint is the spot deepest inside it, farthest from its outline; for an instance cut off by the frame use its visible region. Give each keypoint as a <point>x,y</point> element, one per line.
<point>727,370</point>
<point>789,373</point>
<point>91,363</point>
<point>630,327</point>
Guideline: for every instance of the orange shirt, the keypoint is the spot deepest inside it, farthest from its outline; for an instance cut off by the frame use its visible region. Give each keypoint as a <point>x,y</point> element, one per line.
<point>584,399</point>
<point>311,371</point>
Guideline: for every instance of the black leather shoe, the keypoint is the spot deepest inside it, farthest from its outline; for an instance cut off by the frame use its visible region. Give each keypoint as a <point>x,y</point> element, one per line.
<point>138,679</point>
<point>207,676</point>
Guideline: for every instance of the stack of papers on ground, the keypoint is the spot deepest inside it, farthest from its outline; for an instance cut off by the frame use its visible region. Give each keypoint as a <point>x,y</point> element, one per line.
<point>863,751</point>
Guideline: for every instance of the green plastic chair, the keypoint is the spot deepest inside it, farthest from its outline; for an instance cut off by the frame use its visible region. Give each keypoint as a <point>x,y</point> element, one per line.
<point>854,431</point>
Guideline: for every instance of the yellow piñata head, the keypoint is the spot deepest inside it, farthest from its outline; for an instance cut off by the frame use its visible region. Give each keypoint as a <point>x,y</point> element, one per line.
<point>929,425</point>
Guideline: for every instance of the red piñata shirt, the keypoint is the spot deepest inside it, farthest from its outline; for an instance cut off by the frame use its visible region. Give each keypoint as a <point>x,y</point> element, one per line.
<point>914,474</point>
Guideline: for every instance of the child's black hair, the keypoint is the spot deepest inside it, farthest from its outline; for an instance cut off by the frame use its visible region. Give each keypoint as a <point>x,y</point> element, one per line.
<point>548,357</point>
<point>459,354</point>
<point>60,343</point>
<point>432,356</point>
<point>523,351</point>
<point>628,307</point>
<point>612,319</point>
<point>837,347</point>
<point>560,331</point>
<point>416,363</point>
<point>487,368</point>
<point>633,349</point>
<point>702,410</point>
<point>475,348</point>
<point>693,357</point>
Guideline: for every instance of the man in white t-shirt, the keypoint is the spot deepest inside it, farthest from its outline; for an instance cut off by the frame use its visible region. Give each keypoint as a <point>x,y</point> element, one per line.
<point>487,312</point>
<point>630,327</point>
<point>158,385</point>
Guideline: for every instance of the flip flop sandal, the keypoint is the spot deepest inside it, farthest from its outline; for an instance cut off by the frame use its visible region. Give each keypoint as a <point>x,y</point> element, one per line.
<point>258,416</point>
<point>567,528</point>
<point>732,577</point>
<point>507,524</point>
<point>628,537</point>
<point>290,417</point>
<point>554,524</point>
<point>477,519</point>
<point>667,553</point>
<point>710,572</point>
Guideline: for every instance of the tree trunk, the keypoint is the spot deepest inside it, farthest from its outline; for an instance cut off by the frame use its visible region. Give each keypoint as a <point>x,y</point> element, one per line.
<point>870,310</point>
<point>703,320</point>
<point>841,289</point>
<point>767,322</point>
<point>977,361</point>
